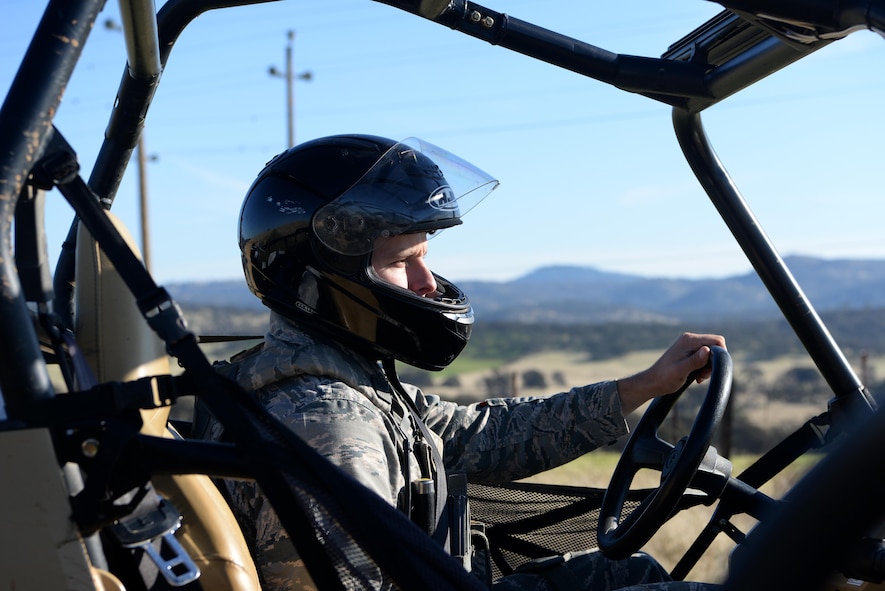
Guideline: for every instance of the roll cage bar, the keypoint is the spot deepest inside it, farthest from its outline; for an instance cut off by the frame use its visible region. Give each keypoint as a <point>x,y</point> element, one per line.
<point>741,45</point>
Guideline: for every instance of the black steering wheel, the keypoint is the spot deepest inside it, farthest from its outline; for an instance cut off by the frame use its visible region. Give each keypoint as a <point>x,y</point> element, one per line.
<point>678,464</point>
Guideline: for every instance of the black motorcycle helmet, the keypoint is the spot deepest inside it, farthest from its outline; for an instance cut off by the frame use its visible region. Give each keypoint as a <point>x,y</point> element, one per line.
<point>308,226</point>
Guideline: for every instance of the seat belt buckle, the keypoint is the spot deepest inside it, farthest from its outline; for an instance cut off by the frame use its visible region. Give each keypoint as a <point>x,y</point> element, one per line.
<point>159,524</point>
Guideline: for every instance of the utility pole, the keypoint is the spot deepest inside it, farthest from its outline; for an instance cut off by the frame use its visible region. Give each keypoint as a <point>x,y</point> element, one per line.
<point>143,202</point>
<point>290,90</point>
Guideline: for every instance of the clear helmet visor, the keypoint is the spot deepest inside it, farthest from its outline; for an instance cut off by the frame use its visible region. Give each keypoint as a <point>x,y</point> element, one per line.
<point>413,187</point>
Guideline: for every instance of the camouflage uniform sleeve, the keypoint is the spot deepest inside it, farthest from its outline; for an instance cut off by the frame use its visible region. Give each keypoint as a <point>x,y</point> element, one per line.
<point>504,439</point>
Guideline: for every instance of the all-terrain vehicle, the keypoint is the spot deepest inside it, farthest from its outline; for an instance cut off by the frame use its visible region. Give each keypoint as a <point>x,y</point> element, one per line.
<point>102,491</point>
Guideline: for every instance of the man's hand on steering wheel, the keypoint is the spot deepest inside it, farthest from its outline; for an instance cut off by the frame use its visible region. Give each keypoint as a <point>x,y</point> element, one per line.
<point>690,353</point>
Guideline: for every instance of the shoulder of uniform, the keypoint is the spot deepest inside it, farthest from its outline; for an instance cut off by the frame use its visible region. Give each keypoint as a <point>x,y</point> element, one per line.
<point>247,353</point>
<point>228,367</point>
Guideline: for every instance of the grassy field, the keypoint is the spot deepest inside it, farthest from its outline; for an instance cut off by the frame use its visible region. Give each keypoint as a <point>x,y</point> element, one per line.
<point>577,369</point>
<point>573,368</point>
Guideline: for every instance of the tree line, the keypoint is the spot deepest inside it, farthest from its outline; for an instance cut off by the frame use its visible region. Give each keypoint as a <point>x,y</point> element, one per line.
<point>856,332</point>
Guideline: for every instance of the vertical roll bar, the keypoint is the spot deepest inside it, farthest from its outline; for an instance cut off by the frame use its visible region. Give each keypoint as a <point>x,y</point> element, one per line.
<point>770,267</point>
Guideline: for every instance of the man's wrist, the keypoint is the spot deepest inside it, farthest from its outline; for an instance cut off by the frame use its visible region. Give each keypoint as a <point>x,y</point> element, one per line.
<point>634,391</point>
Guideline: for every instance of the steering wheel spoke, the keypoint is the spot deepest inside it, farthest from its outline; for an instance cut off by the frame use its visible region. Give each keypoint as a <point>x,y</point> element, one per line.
<point>651,453</point>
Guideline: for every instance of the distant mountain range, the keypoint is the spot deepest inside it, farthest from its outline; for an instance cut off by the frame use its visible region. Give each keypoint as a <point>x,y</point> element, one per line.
<point>575,294</point>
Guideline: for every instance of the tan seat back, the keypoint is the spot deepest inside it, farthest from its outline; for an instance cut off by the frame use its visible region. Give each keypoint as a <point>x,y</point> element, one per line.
<point>119,345</point>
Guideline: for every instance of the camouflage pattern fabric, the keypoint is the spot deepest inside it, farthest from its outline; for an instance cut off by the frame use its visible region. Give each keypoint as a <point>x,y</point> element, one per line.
<point>342,404</point>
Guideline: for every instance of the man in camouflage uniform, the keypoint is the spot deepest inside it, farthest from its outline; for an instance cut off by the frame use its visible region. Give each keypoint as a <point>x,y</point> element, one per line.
<point>333,235</point>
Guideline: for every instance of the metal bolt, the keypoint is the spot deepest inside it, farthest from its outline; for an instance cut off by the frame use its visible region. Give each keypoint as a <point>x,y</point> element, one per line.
<point>89,447</point>
<point>475,16</point>
<point>488,22</point>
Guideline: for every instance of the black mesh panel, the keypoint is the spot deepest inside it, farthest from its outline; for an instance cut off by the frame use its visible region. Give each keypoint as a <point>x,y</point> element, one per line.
<point>524,521</point>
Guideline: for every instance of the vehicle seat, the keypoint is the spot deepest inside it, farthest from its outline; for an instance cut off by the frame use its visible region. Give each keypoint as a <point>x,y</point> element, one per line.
<point>119,345</point>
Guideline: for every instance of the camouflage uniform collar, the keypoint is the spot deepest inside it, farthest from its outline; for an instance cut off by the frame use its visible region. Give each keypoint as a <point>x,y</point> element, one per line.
<point>288,351</point>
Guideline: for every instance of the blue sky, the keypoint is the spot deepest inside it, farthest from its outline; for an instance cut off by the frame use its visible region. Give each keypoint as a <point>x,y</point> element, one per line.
<point>590,175</point>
